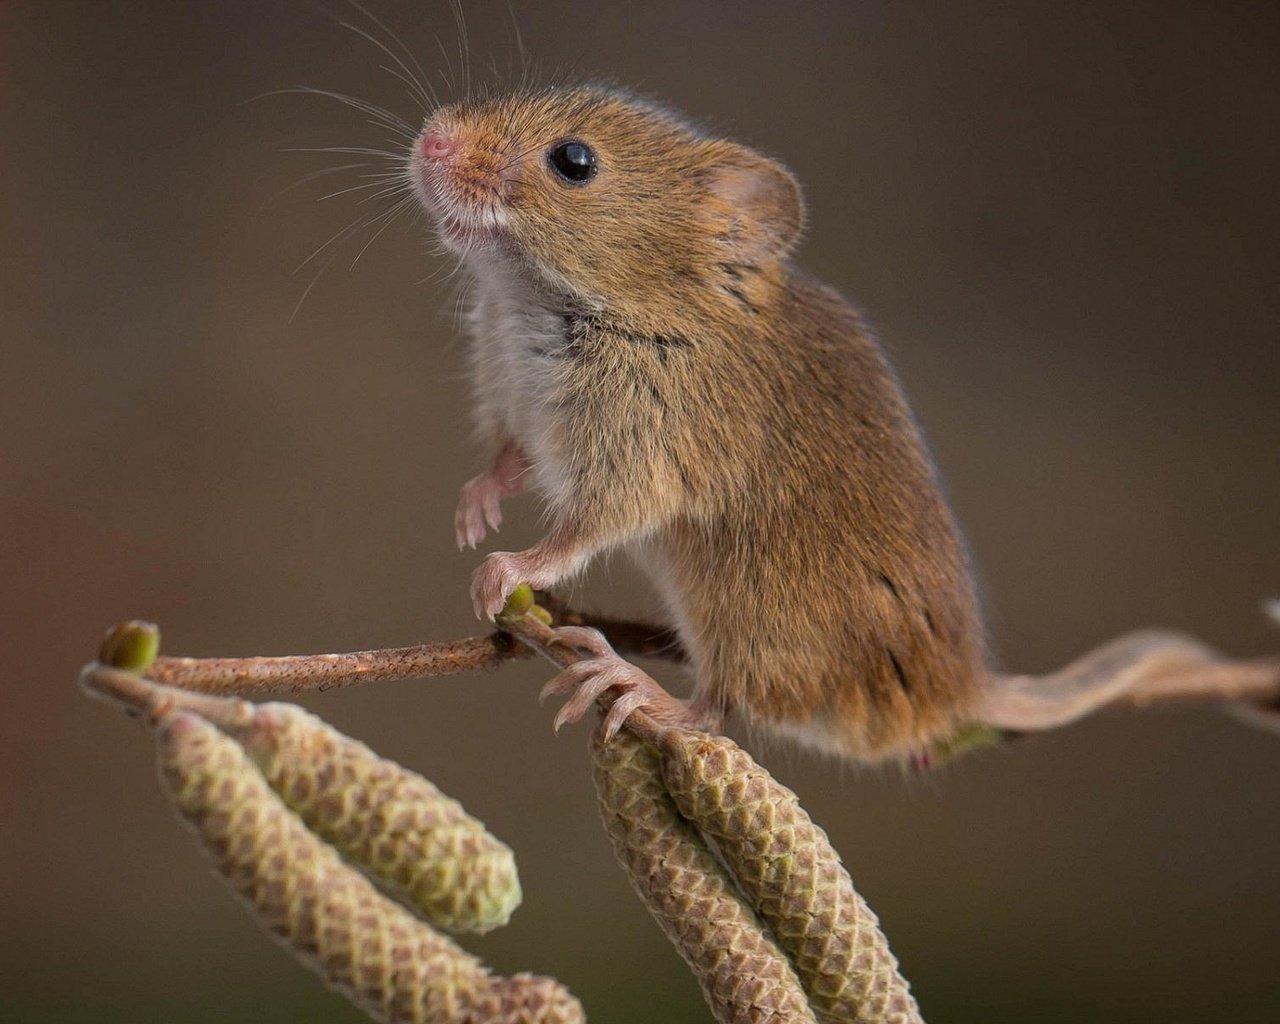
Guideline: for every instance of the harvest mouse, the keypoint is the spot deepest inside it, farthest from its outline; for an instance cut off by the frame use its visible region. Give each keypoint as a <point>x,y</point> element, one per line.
<point>645,353</point>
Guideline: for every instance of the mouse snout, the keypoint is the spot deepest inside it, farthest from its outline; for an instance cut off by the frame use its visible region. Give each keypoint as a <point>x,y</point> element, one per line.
<point>436,145</point>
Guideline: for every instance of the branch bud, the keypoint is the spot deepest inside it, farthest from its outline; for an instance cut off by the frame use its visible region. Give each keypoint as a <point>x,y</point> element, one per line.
<point>131,645</point>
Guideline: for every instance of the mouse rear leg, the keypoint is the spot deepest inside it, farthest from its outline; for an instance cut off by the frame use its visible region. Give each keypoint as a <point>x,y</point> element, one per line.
<point>604,672</point>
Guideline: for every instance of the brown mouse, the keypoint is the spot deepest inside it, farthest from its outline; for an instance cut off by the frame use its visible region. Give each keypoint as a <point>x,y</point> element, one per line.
<point>647,355</point>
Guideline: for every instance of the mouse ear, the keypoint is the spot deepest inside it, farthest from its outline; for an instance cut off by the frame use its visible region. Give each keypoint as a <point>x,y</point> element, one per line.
<point>760,208</point>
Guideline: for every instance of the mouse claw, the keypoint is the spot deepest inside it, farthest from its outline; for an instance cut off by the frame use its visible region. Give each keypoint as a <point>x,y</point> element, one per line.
<point>587,684</point>
<point>492,503</point>
<point>616,717</point>
<point>501,573</point>
<point>479,504</point>
<point>582,638</point>
<point>468,530</point>
<point>567,681</point>
<point>492,584</point>
<point>622,687</point>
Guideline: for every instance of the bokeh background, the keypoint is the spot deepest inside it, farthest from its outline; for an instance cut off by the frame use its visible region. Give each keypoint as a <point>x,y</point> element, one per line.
<point>1062,217</point>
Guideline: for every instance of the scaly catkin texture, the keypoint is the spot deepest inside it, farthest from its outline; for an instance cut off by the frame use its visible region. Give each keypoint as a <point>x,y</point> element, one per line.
<point>745,977</point>
<point>420,846</point>
<point>790,873</point>
<point>394,967</point>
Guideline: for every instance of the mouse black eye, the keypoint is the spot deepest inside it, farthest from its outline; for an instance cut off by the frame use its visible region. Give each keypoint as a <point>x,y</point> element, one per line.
<point>572,160</point>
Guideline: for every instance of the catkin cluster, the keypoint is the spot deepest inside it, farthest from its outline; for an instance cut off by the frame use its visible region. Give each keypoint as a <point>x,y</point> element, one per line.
<point>770,922</point>
<point>416,843</point>
<point>372,950</point>
<point>745,976</point>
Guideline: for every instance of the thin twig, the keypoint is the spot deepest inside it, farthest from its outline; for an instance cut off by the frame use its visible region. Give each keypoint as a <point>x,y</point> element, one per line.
<point>306,672</point>
<point>139,696</point>
<point>317,672</point>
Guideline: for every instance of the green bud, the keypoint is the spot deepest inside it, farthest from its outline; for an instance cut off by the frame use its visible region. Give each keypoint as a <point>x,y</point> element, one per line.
<point>131,645</point>
<point>520,601</point>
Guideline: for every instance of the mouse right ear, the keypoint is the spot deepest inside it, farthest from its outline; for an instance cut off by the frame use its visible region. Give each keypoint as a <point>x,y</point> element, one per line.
<point>760,207</point>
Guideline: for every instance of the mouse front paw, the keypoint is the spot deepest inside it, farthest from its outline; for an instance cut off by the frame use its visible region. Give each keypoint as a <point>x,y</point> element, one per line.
<point>479,504</point>
<point>500,574</point>
<point>480,500</point>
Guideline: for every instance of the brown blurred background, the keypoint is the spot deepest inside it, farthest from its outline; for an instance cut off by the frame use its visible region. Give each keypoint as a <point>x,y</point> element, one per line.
<point>1063,219</point>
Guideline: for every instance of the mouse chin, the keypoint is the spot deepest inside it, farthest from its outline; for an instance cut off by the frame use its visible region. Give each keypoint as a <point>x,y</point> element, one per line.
<point>464,232</point>
<point>467,229</point>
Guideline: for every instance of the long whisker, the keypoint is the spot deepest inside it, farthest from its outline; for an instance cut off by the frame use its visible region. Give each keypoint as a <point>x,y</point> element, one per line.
<point>380,181</point>
<point>306,178</point>
<point>389,218</point>
<point>356,150</point>
<point>388,190</point>
<point>419,91</point>
<point>359,224</point>
<point>493,70</point>
<point>380,115</point>
<point>355,225</point>
<point>412,89</point>
<point>350,229</point>
<point>464,44</point>
<point>422,80</point>
<point>448,63</point>
<point>323,267</point>
<point>515,30</point>
<point>435,275</point>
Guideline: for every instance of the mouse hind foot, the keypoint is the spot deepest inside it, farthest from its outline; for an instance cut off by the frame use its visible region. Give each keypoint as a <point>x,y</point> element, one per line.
<point>604,675</point>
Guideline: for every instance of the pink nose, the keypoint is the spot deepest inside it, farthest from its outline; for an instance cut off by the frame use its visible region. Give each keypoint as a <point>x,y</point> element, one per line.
<point>436,145</point>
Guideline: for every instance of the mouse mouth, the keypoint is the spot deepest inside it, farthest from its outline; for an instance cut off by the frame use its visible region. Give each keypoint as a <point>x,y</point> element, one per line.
<point>469,213</point>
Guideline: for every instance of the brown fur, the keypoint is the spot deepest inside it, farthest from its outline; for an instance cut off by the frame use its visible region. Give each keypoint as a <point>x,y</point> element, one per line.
<point>710,404</point>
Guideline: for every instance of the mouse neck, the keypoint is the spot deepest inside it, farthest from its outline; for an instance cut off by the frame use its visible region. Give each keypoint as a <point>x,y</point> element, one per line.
<point>524,286</point>
<point>732,297</point>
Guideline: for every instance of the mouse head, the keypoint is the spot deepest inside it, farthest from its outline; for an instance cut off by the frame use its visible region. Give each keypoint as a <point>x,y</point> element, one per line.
<point>604,197</point>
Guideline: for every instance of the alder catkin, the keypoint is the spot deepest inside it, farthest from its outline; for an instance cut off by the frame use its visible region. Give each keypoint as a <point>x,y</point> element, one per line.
<point>745,977</point>
<point>416,843</point>
<point>394,967</point>
<point>792,876</point>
